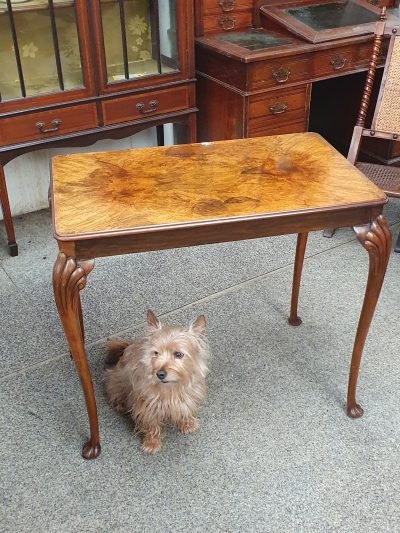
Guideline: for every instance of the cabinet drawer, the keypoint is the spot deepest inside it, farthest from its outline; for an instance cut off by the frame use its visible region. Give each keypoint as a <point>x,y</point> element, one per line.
<point>276,109</point>
<point>212,7</point>
<point>278,73</point>
<point>227,21</point>
<point>43,124</point>
<point>150,104</point>
<point>280,129</point>
<point>338,60</point>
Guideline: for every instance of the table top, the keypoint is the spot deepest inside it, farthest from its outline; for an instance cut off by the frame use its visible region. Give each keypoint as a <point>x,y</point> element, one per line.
<point>149,189</point>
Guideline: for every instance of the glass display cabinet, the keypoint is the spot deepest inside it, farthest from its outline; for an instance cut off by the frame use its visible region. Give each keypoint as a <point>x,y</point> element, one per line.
<point>75,71</point>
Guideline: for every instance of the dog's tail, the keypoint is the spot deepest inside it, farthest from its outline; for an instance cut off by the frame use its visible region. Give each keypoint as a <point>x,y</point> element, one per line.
<point>115,349</point>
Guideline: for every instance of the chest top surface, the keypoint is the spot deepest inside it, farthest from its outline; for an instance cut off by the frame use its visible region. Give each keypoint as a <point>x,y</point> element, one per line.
<point>139,190</point>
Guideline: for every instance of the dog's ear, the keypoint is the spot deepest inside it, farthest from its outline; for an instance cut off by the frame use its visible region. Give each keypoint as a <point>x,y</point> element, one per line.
<point>199,325</point>
<point>152,320</point>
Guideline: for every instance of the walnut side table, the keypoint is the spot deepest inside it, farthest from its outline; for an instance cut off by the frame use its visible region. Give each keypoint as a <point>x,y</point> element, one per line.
<point>138,200</point>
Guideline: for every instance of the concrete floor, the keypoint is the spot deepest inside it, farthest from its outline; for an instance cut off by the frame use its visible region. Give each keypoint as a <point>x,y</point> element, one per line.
<point>275,451</point>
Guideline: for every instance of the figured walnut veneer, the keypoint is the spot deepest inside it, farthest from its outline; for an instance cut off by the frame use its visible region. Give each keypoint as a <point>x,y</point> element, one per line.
<point>127,191</point>
<point>155,198</point>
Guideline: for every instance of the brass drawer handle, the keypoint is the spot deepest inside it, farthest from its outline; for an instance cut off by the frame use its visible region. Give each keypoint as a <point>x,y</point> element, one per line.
<point>278,108</point>
<point>227,5</point>
<point>153,105</point>
<point>338,62</point>
<point>56,126</point>
<point>227,23</point>
<point>281,75</point>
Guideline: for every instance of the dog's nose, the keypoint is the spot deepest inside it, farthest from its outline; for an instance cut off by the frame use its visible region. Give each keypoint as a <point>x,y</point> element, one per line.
<point>161,374</point>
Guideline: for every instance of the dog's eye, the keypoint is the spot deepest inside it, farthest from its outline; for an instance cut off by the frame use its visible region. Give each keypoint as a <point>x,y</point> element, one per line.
<point>155,354</point>
<point>178,355</point>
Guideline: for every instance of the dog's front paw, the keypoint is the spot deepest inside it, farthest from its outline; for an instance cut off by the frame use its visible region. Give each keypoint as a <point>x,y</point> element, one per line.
<point>151,444</point>
<point>188,426</point>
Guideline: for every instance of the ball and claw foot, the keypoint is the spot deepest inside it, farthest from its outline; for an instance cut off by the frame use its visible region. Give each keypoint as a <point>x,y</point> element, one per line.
<point>355,411</point>
<point>296,321</point>
<point>91,451</point>
<point>13,248</point>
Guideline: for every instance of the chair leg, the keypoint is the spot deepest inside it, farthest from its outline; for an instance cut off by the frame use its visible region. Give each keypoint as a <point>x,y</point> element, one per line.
<point>377,240</point>
<point>294,319</point>
<point>5,206</point>
<point>329,232</point>
<point>397,245</point>
<point>69,277</point>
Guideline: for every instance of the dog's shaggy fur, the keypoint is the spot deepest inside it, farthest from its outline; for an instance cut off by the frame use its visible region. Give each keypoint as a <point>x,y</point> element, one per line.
<point>159,378</point>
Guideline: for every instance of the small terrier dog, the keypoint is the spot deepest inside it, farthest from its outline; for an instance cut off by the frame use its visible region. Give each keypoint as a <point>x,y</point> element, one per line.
<point>159,378</point>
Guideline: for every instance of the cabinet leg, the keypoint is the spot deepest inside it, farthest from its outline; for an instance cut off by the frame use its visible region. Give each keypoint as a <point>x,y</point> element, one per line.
<point>5,207</point>
<point>397,245</point>
<point>377,240</point>
<point>294,319</point>
<point>69,277</point>
<point>329,232</point>
<point>160,135</point>
<point>185,132</point>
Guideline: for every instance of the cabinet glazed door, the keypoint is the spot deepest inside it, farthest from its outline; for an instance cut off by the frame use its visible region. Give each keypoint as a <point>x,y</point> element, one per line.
<point>43,52</point>
<point>143,42</point>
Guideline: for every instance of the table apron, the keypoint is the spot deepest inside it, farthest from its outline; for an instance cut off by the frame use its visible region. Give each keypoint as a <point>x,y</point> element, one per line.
<point>218,232</point>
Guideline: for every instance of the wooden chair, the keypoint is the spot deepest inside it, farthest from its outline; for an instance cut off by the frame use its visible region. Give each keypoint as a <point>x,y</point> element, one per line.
<point>386,119</point>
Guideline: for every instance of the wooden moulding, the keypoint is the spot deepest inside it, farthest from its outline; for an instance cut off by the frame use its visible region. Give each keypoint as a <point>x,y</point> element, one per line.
<point>278,13</point>
<point>218,232</point>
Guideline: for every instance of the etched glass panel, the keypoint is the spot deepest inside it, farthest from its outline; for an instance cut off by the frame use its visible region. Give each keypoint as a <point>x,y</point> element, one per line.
<point>39,48</point>
<point>168,36</point>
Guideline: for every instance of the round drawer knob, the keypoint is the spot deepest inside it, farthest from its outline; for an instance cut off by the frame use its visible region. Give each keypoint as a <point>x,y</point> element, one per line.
<point>338,62</point>
<point>227,23</point>
<point>56,126</point>
<point>153,105</point>
<point>227,5</point>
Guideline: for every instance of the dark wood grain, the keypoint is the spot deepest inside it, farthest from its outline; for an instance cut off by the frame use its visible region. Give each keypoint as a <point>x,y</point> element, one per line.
<point>69,277</point>
<point>126,108</point>
<point>24,128</point>
<point>376,239</point>
<point>294,319</point>
<point>98,110</point>
<point>5,207</point>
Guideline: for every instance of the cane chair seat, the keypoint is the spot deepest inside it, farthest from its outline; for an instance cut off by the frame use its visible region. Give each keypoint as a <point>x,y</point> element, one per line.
<point>385,177</point>
<point>387,117</point>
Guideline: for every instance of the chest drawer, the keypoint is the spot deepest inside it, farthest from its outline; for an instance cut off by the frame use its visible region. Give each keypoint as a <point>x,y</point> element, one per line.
<point>272,111</point>
<point>43,124</point>
<point>140,106</point>
<point>212,7</point>
<point>268,74</point>
<point>228,21</point>
<point>342,59</point>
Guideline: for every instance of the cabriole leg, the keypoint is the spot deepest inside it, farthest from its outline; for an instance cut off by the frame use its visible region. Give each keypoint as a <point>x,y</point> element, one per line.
<point>294,319</point>
<point>69,277</point>
<point>377,240</point>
